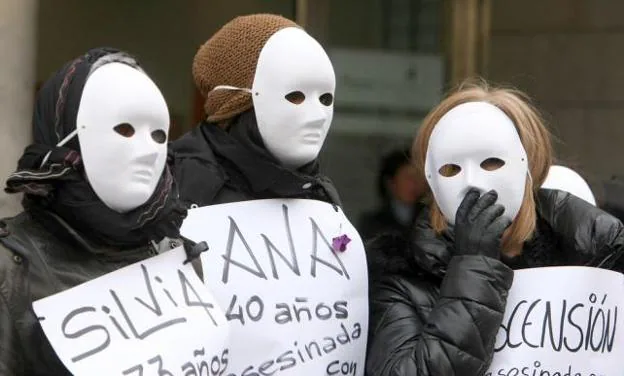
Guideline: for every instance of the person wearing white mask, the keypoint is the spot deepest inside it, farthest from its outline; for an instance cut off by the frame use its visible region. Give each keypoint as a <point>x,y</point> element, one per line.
<point>98,195</point>
<point>566,179</point>
<point>438,297</point>
<point>269,96</point>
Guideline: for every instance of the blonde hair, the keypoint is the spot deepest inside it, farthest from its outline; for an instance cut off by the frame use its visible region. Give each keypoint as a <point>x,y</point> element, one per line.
<point>534,137</point>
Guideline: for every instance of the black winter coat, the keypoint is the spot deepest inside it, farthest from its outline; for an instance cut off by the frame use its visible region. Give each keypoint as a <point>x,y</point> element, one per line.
<point>39,258</point>
<point>433,313</point>
<point>212,166</point>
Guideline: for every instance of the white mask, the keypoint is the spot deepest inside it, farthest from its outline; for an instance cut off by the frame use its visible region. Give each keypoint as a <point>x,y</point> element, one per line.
<point>122,127</point>
<point>480,148</point>
<point>568,180</point>
<point>293,96</point>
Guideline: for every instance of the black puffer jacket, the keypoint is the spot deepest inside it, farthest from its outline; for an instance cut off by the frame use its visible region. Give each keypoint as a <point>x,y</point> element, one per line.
<point>214,166</point>
<point>39,258</point>
<point>433,313</point>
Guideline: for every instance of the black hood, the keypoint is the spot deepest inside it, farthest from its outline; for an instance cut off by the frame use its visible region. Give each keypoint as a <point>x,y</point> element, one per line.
<point>53,178</point>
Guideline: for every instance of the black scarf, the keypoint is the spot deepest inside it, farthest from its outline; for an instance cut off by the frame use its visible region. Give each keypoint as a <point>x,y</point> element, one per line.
<point>60,184</point>
<point>241,149</point>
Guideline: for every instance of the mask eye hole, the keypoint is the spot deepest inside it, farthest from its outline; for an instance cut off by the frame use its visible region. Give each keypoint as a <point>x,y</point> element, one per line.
<point>326,99</point>
<point>159,136</point>
<point>295,97</point>
<point>492,164</point>
<point>124,129</point>
<point>449,170</point>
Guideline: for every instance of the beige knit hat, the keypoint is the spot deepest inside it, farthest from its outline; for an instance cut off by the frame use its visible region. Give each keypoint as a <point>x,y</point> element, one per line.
<point>229,58</point>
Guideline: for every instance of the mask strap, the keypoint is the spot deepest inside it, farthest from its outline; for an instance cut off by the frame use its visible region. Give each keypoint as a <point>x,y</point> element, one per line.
<point>61,143</point>
<point>228,87</point>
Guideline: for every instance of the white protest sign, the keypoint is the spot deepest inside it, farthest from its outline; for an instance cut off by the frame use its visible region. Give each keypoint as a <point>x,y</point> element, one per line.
<point>295,306</point>
<point>562,321</point>
<point>154,317</point>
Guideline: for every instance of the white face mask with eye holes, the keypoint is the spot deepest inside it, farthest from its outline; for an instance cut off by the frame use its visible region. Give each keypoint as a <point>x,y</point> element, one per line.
<point>122,127</point>
<point>293,96</point>
<point>476,145</point>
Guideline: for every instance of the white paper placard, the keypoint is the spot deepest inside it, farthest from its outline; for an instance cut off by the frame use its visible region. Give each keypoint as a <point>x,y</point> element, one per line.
<point>295,306</point>
<point>562,321</point>
<point>154,317</point>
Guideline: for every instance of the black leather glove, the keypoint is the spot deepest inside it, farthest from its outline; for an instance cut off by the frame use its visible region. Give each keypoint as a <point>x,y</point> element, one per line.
<point>479,226</point>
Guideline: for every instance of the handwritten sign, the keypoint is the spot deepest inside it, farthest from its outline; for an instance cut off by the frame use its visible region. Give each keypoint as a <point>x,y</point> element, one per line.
<point>562,321</point>
<point>295,306</point>
<point>154,317</point>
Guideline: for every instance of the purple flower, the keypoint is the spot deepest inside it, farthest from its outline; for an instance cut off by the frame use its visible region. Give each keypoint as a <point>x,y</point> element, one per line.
<point>339,243</point>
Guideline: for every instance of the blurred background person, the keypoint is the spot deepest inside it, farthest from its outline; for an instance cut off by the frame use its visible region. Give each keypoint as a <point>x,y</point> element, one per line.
<point>399,191</point>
